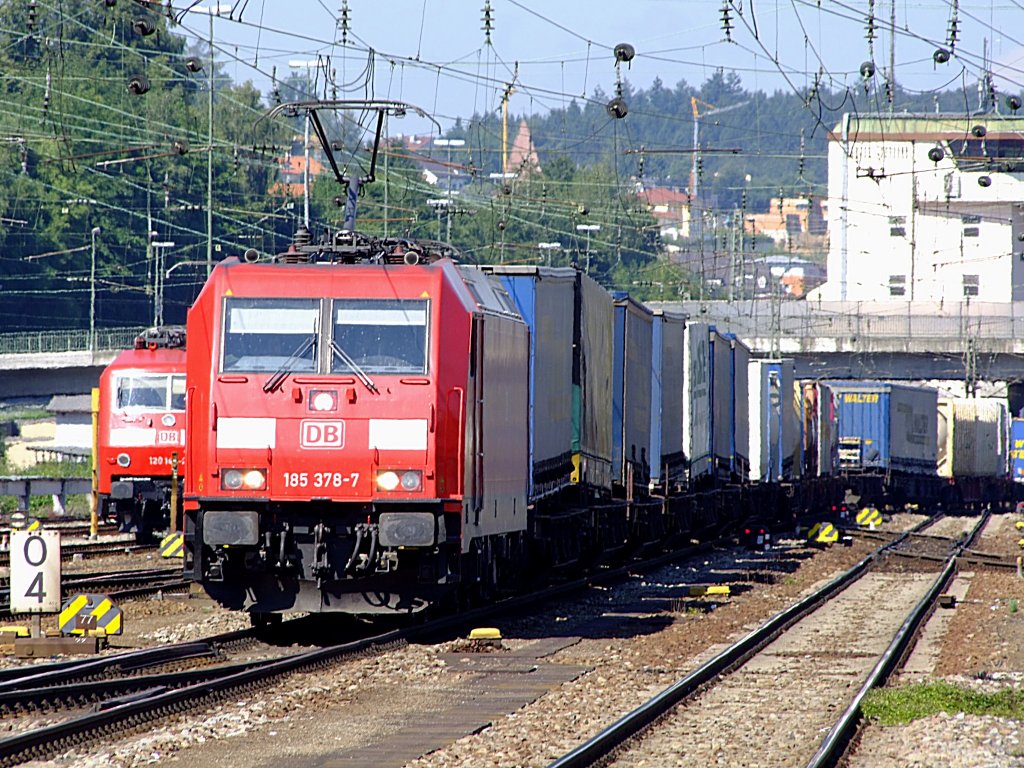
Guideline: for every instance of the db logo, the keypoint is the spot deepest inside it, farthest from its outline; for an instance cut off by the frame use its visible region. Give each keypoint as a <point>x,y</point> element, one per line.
<point>322,434</point>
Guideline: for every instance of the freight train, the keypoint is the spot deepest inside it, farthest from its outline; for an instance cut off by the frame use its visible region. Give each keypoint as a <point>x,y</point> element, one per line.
<point>373,427</point>
<point>900,444</point>
<point>141,433</point>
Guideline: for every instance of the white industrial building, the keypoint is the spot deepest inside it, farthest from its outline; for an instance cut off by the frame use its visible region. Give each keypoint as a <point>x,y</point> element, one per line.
<point>926,208</point>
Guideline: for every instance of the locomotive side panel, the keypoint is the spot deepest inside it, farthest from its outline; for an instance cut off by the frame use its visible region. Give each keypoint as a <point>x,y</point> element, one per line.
<point>503,470</point>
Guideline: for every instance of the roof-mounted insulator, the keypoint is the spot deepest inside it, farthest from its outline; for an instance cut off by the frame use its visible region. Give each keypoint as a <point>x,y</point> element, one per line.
<point>32,17</point>
<point>161,337</point>
<point>302,236</point>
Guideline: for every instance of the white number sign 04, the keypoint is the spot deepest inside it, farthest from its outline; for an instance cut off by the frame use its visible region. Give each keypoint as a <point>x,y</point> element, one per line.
<point>35,571</point>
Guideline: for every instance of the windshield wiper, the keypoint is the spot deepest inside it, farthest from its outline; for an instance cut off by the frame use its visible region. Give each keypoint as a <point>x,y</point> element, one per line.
<point>277,379</point>
<point>359,372</point>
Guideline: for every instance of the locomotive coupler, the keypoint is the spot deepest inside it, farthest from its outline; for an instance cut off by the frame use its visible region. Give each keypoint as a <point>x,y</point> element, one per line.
<point>321,565</point>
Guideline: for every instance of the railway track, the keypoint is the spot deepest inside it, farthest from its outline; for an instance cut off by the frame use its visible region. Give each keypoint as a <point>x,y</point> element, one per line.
<point>137,699</point>
<point>119,585</point>
<point>772,692</point>
<point>132,700</point>
<point>89,549</point>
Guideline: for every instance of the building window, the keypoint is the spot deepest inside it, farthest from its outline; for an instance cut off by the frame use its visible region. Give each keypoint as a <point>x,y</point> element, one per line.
<point>897,285</point>
<point>897,231</point>
<point>970,231</point>
<point>971,285</point>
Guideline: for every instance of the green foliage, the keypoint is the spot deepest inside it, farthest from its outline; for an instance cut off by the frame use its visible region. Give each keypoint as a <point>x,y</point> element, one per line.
<point>897,706</point>
<point>86,152</point>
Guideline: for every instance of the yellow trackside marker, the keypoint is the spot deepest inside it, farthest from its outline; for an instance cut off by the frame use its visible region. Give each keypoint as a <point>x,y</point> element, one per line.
<point>14,631</point>
<point>823,533</point>
<point>35,525</point>
<point>90,615</point>
<point>173,545</point>
<point>485,633</point>
<point>709,589</point>
<point>869,516</point>
<point>1019,525</point>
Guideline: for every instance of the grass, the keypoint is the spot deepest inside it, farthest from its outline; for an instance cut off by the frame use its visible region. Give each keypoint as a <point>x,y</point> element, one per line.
<point>898,706</point>
<point>25,414</point>
<point>49,469</point>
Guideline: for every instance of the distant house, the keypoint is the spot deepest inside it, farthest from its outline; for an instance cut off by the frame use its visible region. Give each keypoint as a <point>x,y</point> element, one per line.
<point>788,218</point>
<point>72,437</point>
<point>292,170</point>
<point>671,209</point>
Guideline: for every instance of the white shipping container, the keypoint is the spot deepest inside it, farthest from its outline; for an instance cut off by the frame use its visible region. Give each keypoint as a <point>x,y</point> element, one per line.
<point>774,421</point>
<point>972,437</point>
<point>741,409</point>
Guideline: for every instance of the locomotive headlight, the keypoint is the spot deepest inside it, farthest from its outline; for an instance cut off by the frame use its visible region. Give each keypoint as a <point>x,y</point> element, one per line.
<point>243,479</point>
<point>323,400</point>
<point>407,480</point>
<point>123,459</point>
<point>254,480</point>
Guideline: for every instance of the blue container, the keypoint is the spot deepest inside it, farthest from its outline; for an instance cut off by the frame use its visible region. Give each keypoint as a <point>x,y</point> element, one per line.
<point>1017,450</point>
<point>886,427</point>
<point>632,355</point>
<point>544,297</point>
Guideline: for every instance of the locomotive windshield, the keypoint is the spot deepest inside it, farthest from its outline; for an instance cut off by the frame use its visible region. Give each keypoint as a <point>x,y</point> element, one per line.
<point>382,336</point>
<point>151,391</point>
<point>262,335</point>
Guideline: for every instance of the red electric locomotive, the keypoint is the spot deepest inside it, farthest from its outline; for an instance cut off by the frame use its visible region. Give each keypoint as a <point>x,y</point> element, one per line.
<point>141,435</point>
<point>357,430</point>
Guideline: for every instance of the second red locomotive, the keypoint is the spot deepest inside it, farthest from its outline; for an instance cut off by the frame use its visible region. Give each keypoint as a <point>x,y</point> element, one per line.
<point>141,437</point>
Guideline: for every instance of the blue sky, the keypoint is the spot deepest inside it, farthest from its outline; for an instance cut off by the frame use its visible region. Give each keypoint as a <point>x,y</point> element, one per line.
<point>433,53</point>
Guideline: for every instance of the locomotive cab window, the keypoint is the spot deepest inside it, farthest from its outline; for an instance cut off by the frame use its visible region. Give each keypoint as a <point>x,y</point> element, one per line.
<point>266,335</point>
<point>149,391</point>
<point>177,393</point>
<point>382,336</point>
